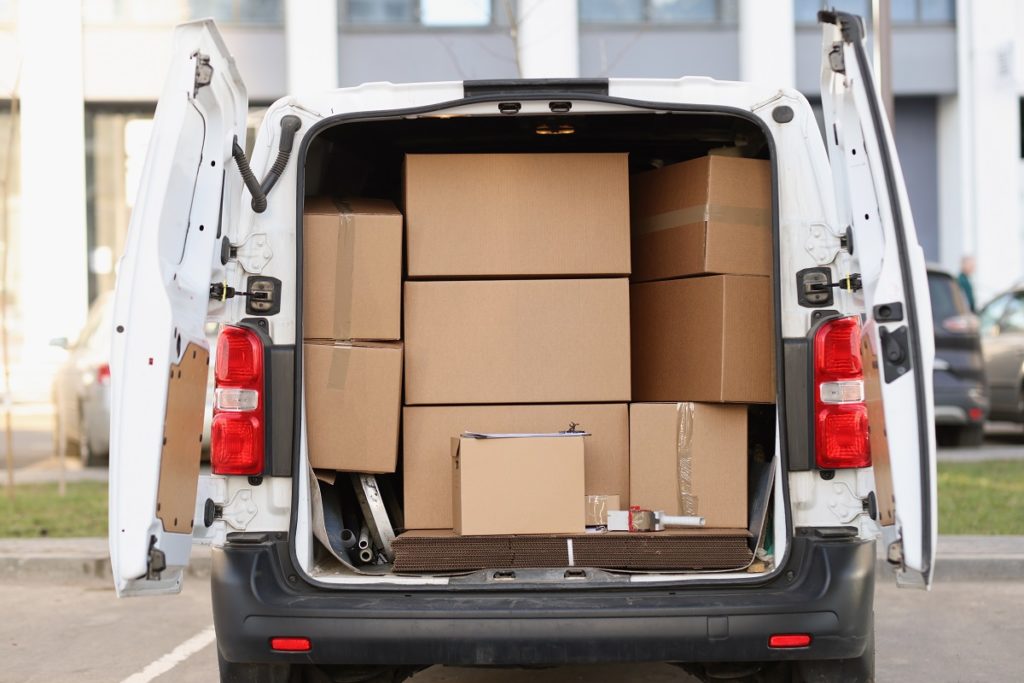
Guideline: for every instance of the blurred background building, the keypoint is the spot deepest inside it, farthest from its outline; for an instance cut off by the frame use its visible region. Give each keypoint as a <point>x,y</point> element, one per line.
<point>86,74</point>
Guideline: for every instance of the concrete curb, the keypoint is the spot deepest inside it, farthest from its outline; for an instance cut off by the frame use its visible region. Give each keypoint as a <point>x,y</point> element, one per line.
<point>961,558</point>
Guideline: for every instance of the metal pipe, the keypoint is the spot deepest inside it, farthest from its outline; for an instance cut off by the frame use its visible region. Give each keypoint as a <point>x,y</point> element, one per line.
<point>364,538</point>
<point>348,538</point>
<point>365,555</point>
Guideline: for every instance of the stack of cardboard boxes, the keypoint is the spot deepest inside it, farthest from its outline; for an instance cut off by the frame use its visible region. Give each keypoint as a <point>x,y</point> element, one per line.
<point>524,312</point>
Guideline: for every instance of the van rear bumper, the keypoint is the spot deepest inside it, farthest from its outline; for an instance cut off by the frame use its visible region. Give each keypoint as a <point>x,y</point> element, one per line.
<point>826,591</point>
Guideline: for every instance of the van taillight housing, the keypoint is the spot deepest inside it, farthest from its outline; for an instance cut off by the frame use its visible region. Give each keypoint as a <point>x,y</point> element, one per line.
<point>237,433</point>
<point>841,430</point>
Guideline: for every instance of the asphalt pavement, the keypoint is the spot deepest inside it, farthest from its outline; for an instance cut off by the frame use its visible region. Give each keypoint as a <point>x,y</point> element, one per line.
<point>79,631</point>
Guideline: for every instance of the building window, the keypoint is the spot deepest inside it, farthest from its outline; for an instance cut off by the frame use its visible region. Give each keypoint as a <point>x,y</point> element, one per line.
<point>249,12</point>
<point>806,11</point>
<point>426,13</point>
<point>923,11</point>
<point>658,11</point>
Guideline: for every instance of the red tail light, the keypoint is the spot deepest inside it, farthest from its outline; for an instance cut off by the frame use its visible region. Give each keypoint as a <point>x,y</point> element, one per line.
<point>236,439</point>
<point>103,374</point>
<point>789,640</point>
<point>840,415</point>
<point>282,644</point>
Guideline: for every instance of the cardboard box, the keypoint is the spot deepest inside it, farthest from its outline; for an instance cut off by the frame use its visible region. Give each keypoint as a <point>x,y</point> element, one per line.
<point>690,459</point>
<point>353,403</point>
<point>597,509</point>
<point>707,215</point>
<point>703,339</point>
<point>516,341</point>
<point>427,432</point>
<point>352,269</point>
<point>517,485</point>
<point>484,215</point>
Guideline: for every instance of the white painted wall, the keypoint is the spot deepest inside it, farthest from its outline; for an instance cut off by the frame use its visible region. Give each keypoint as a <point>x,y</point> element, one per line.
<point>989,134</point>
<point>548,37</point>
<point>767,39</point>
<point>311,38</point>
<point>53,293</point>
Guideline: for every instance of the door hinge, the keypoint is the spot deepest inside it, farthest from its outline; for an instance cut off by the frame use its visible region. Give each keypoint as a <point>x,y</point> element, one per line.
<point>836,60</point>
<point>204,72</point>
<point>823,244</point>
<point>237,513</point>
<point>253,253</point>
<point>156,561</point>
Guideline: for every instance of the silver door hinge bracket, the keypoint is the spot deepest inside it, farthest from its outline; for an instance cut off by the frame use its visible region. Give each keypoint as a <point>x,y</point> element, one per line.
<point>253,253</point>
<point>845,504</point>
<point>204,72</point>
<point>239,511</point>
<point>823,244</point>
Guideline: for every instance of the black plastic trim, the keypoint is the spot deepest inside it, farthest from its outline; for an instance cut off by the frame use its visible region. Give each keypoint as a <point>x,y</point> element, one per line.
<point>563,95</point>
<point>278,400</point>
<point>826,589</point>
<point>564,88</point>
<point>796,353</point>
<point>852,28</point>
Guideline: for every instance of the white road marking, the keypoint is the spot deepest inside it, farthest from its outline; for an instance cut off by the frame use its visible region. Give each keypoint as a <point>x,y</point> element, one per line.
<point>174,657</point>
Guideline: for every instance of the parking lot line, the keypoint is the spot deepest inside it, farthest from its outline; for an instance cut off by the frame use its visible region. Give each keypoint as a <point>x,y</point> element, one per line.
<point>174,657</point>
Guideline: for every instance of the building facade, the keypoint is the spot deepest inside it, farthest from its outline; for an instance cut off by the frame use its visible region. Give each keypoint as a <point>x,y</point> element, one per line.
<point>85,75</point>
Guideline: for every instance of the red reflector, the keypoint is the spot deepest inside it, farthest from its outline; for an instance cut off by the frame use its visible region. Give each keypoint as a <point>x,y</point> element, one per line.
<point>976,414</point>
<point>103,373</point>
<point>236,444</point>
<point>789,640</point>
<point>290,644</point>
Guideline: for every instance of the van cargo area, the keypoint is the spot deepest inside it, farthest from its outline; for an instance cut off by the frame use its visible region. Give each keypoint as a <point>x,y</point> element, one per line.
<point>564,370</point>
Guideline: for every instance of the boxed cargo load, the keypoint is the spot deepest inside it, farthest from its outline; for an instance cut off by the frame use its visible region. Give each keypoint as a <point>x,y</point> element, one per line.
<point>703,339</point>
<point>352,269</point>
<point>707,215</point>
<point>427,432</point>
<point>517,341</point>
<point>690,459</point>
<point>353,405</point>
<point>510,484</point>
<point>486,215</point>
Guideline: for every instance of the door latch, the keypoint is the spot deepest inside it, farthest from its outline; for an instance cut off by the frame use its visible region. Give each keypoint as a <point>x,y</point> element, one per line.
<point>204,72</point>
<point>156,561</point>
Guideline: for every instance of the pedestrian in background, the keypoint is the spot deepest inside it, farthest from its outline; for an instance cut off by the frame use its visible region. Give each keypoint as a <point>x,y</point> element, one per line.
<point>966,272</point>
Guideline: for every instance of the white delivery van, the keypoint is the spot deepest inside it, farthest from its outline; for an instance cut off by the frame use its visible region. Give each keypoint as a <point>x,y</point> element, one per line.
<point>217,237</point>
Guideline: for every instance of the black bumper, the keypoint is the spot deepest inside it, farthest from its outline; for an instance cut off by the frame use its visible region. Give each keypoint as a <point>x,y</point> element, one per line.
<point>827,591</point>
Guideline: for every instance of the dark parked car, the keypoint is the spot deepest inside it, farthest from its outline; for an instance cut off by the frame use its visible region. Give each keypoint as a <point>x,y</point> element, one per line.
<point>961,393</point>
<point>1002,331</point>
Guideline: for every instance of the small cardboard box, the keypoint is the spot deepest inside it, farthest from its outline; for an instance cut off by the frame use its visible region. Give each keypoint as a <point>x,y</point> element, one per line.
<point>707,215</point>
<point>493,215</point>
<point>517,485</point>
<point>690,459</point>
<point>517,341</point>
<point>427,432</point>
<point>352,269</point>
<point>353,404</point>
<point>703,339</point>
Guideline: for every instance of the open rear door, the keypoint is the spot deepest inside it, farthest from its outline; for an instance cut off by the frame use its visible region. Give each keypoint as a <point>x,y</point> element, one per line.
<point>871,198</point>
<point>160,355</point>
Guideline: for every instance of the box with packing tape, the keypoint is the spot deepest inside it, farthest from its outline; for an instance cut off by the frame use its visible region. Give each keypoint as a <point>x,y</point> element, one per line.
<point>707,215</point>
<point>517,483</point>
<point>427,432</point>
<point>690,459</point>
<point>353,404</point>
<point>352,269</point>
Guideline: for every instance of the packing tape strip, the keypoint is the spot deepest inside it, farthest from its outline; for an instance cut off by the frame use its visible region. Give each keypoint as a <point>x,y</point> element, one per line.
<point>743,215</point>
<point>568,550</point>
<point>688,503</point>
<point>337,375</point>
<point>345,259</point>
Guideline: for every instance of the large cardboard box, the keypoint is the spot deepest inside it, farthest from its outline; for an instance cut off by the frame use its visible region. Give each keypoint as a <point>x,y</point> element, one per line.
<point>353,404</point>
<point>703,339</point>
<point>352,269</point>
<point>707,215</point>
<point>517,341</point>
<point>518,485</point>
<point>690,459</point>
<point>484,215</point>
<point>427,432</point>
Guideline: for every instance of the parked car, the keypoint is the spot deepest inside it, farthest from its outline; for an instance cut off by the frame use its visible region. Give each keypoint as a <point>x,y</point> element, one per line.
<point>1002,340</point>
<point>81,388</point>
<point>961,392</point>
<point>847,275</point>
